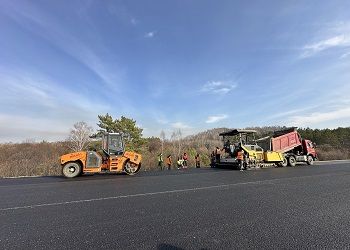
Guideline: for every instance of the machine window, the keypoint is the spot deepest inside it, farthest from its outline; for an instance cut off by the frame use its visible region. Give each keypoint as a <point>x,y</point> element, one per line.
<point>93,160</point>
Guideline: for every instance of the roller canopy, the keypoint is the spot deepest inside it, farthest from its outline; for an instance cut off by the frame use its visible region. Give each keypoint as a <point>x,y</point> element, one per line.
<point>237,132</point>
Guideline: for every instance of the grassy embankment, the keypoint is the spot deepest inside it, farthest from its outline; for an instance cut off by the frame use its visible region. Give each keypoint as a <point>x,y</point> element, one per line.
<point>31,159</point>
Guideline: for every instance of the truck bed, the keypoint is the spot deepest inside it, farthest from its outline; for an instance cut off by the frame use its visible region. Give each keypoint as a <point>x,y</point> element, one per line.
<point>284,142</point>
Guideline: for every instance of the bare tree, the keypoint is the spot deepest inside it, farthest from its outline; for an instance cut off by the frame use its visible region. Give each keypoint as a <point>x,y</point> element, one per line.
<point>79,136</point>
<point>162,139</point>
<point>173,140</point>
<point>179,141</point>
<point>176,138</point>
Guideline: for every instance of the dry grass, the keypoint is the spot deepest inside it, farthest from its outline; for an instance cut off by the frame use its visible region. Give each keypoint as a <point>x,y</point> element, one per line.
<point>327,152</point>
<point>30,159</point>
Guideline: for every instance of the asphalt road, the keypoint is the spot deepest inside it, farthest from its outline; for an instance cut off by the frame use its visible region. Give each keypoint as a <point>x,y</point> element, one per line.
<point>275,208</point>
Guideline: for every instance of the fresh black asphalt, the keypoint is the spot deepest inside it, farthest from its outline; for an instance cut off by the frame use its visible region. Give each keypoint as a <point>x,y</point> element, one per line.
<point>274,208</point>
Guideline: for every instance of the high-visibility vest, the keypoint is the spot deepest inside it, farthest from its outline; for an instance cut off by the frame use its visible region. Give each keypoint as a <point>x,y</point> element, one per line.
<point>240,155</point>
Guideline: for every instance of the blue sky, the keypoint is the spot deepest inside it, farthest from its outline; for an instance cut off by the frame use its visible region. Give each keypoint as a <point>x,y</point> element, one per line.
<point>189,65</point>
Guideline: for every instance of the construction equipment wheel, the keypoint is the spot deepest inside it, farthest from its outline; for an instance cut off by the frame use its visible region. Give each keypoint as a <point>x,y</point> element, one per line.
<point>310,160</point>
<point>284,163</point>
<point>292,161</point>
<point>71,169</point>
<point>131,168</point>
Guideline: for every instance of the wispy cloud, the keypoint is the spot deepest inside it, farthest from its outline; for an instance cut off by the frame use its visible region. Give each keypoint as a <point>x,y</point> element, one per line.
<point>120,11</point>
<point>288,113</point>
<point>219,87</point>
<point>180,125</point>
<point>35,106</point>
<point>345,55</point>
<point>318,118</point>
<point>134,21</point>
<point>18,128</point>
<point>216,118</point>
<point>332,42</point>
<point>150,34</point>
<point>19,86</point>
<point>50,29</point>
<point>162,120</point>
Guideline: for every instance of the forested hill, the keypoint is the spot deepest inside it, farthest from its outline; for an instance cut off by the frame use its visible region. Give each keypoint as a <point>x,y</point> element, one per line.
<point>339,137</point>
<point>213,134</point>
<point>332,144</point>
<point>27,158</point>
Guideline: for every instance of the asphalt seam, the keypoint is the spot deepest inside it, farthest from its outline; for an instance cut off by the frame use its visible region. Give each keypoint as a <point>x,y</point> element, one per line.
<point>316,163</point>
<point>73,182</point>
<point>131,177</point>
<point>129,196</point>
<point>271,181</point>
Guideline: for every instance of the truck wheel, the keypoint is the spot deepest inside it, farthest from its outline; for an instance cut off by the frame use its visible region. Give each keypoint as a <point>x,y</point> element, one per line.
<point>71,169</point>
<point>284,163</point>
<point>310,160</point>
<point>292,161</point>
<point>131,168</point>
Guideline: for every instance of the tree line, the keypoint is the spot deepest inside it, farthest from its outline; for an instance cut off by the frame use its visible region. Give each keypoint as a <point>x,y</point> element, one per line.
<point>331,143</point>
<point>30,158</point>
<point>339,137</point>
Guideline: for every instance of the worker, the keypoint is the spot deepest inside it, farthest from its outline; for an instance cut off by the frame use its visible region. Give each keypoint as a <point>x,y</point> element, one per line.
<point>217,154</point>
<point>169,162</point>
<point>227,146</point>
<point>212,159</point>
<point>198,161</point>
<point>185,158</point>
<point>240,158</point>
<point>179,163</point>
<point>160,161</point>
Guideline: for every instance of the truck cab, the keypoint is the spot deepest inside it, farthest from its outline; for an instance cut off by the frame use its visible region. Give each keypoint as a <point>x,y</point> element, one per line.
<point>309,148</point>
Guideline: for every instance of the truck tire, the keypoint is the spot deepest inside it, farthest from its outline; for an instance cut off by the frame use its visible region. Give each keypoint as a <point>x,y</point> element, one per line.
<point>71,170</point>
<point>310,160</point>
<point>284,163</point>
<point>292,161</point>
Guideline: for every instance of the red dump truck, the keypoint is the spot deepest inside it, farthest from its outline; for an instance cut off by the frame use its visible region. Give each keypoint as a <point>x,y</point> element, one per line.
<point>294,148</point>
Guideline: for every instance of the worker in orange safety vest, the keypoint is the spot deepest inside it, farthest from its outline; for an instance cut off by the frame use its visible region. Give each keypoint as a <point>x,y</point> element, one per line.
<point>240,159</point>
<point>169,162</point>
